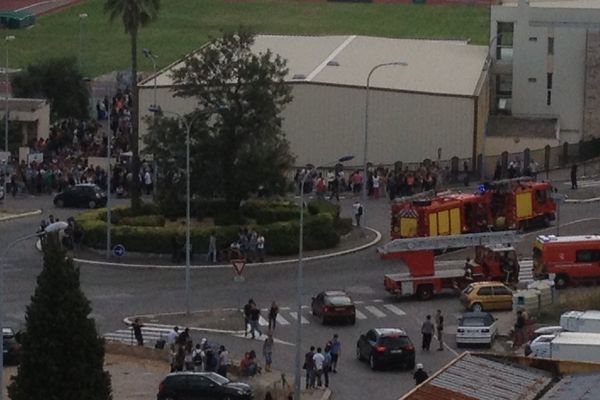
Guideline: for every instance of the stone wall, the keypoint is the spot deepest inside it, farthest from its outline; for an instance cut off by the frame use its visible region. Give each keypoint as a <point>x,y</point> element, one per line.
<point>591,114</point>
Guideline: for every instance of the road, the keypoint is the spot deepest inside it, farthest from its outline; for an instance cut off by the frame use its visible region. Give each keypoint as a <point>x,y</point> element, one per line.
<point>119,292</point>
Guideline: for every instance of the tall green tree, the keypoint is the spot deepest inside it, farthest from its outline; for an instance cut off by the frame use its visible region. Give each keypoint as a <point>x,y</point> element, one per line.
<point>134,14</point>
<point>62,356</point>
<point>239,144</point>
<point>58,80</point>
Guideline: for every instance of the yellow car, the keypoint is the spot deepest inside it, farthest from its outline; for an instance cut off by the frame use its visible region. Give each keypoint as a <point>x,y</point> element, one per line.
<point>480,296</point>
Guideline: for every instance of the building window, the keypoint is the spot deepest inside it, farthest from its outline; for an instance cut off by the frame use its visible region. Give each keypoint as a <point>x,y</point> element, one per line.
<point>549,98</point>
<point>504,84</point>
<point>504,40</point>
<point>532,39</point>
<point>550,45</point>
<point>549,82</point>
<point>532,80</point>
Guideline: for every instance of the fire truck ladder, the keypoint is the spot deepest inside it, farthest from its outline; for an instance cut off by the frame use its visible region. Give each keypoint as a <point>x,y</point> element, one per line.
<point>451,241</point>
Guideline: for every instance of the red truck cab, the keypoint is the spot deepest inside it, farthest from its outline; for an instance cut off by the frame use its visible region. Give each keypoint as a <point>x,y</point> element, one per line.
<point>569,259</point>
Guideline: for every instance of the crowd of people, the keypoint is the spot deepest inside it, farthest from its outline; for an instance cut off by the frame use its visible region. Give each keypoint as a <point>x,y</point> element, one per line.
<point>319,362</point>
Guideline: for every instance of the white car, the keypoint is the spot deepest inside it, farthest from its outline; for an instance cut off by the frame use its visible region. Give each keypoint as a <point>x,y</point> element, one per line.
<point>476,328</point>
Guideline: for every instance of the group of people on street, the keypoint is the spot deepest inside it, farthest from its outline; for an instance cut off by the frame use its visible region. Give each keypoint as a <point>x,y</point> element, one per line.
<point>204,356</point>
<point>319,362</point>
<point>250,245</point>
<point>429,327</point>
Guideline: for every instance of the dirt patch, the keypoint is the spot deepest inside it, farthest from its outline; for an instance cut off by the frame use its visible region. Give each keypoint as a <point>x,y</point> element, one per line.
<point>228,319</point>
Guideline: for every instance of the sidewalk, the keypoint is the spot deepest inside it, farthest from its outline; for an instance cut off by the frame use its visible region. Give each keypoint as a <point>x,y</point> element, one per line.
<point>14,213</point>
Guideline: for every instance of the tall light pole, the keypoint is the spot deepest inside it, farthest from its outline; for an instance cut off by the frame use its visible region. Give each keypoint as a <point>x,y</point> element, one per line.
<point>108,180</point>
<point>300,281</point>
<point>52,228</point>
<point>82,16</point>
<point>152,57</point>
<point>366,139</point>
<point>7,39</point>
<point>188,127</point>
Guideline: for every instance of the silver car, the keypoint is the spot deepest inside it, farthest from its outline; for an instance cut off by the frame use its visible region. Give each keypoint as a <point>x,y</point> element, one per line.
<point>476,328</point>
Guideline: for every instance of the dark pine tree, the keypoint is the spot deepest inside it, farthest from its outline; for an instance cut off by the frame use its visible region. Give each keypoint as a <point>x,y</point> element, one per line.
<point>62,355</point>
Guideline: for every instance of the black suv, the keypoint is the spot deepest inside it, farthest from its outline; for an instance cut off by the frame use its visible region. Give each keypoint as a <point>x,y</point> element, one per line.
<point>82,195</point>
<point>386,346</point>
<point>201,386</point>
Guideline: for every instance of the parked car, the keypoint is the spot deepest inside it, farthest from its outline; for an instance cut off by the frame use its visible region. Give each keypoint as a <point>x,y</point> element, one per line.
<point>201,385</point>
<point>12,348</point>
<point>480,296</point>
<point>333,305</point>
<point>543,331</point>
<point>386,346</point>
<point>82,195</point>
<point>476,328</point>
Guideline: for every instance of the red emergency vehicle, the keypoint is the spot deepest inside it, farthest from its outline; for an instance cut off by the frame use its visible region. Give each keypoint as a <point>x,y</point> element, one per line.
<point>507,204</point>
<point>570,259</point>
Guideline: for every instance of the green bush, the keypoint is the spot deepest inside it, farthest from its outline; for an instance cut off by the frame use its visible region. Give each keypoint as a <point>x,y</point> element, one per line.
<point>267,216</point>
<point>230,218</point>
<point>343,226</point>
<point>143,220</point>
<point>251,208</point>
<point>323,206</point>
<point>320,233</point>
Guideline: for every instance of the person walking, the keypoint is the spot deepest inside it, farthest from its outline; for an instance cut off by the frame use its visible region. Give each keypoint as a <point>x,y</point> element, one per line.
<point>197,357</point>
<point>137,332</point>
<point>273,311</point>
<point>254,318</point>
<point>427,332</point>
<point>260,247</point>
<point>420,375</point>
<point>439,327</point>
<point>247,310</point>
<point>212,247</point>
<point>318,360</point>
<point>336,350</point>
<point>358,212</point>
<point>574,176</point>
<point>309,366</point>
<point>268,351</point>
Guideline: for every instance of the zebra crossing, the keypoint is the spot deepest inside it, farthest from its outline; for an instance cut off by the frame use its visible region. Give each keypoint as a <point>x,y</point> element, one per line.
<point>375,309</point>
<point>588,183</point>
<point>526,271</point>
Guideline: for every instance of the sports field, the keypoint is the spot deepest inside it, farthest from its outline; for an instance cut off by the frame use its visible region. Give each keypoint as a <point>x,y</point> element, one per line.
<point>184,25</point>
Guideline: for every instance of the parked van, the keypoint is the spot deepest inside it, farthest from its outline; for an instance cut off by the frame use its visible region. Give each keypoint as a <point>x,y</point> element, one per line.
<point>581,321</point>
<point>568,346</point>
<point>569,259</point>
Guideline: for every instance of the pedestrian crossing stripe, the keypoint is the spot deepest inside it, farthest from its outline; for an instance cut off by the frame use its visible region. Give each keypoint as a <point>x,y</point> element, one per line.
<point>360,315</point>
<point>375,311</point>
<point>262,321</point>
<point>302,319</point>
<point>394,309</point>
<point>281,320</point>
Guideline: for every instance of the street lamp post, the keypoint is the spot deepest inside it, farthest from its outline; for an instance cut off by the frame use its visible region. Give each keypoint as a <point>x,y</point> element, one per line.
<point>300,280</point>
<point>108,180</point>
<point>366,138</point>
<point>188,127</point>
<point>8,39</point>
<point>82,16</point>
<point>52,228</point>
<point>152,57</point>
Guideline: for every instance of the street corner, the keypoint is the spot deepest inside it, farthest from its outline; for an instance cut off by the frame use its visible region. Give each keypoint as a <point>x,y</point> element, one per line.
<point>15,213</point>
<point>228,320</point>
<point>587,191</point>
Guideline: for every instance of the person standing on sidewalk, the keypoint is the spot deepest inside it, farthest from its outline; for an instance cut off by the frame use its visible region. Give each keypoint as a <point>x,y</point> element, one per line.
<point>224,362</point>
<point>574,176</point>
<point>273,311</point>
<point>247,310</point>
<point>137,332</point>
<point>309,366</point>
<point>336,350</point>
<point>439,327</point>
<point>268,351</point>
<point>318,360</point>
<point>212,247</point>
<point>327,363</point>
<point>358,212</point>
<point>427,332</point>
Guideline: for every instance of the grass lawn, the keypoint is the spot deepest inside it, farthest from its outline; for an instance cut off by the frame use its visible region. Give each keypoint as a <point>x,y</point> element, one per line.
<point>184,25</point>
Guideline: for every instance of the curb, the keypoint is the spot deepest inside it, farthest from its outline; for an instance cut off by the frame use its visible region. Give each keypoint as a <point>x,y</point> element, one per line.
<point>222,266</point>
<point>22,215</point>
<point>583,201</point>
<point>128,321</point>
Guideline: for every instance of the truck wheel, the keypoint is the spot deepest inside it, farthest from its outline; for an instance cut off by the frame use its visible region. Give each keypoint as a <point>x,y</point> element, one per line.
<point>425,292</point>
<point>477,307</point>
<point>546,221</point>
<point>561,281</point>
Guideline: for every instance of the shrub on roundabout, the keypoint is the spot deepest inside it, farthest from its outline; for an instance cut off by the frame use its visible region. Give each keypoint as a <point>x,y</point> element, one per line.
<point>276,220</point>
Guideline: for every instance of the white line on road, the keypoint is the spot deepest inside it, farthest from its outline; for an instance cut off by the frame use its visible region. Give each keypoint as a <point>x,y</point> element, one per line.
<point>359,302</point>
<point>375,311</point>
<point>295,316</point>
<point>360,315</point>
<point>281,320</point>
<point>262,321</point>
<point>394,309</point>
<point>377,301</point>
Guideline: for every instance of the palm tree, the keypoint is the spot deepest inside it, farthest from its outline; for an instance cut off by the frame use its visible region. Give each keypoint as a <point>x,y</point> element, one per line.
<point>135,14</point>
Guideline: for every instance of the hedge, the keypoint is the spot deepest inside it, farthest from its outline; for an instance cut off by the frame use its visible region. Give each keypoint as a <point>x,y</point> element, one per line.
<point>323,206</point>
<point>143,220</point>
<point>281,237</point>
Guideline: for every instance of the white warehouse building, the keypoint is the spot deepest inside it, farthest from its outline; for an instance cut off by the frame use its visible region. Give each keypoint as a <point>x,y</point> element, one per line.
<point>547,66</point>
<point>435,106</point>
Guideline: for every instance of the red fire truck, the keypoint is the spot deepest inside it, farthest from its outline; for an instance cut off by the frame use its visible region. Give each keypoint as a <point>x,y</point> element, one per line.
<point>570,259</point>
<point>495,260</point>
<point>507,204</point>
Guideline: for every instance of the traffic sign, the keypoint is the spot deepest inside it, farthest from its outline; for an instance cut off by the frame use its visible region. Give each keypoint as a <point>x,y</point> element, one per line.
<point>238,265</point>
<point>119,250</point>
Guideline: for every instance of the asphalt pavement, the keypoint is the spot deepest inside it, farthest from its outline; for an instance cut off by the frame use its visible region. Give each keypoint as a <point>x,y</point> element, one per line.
<point>117,292</point>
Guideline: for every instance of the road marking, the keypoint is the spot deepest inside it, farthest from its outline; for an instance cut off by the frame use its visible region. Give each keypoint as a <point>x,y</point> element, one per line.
<point>281,320</point>
<point>262,321</point>
<point>360,315</point>
<point>375,311</point>
<point>394,309</point>
<point>285,308</point>
<point>377,301</point>
<point>302,319</point>
<point>359,302</point>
